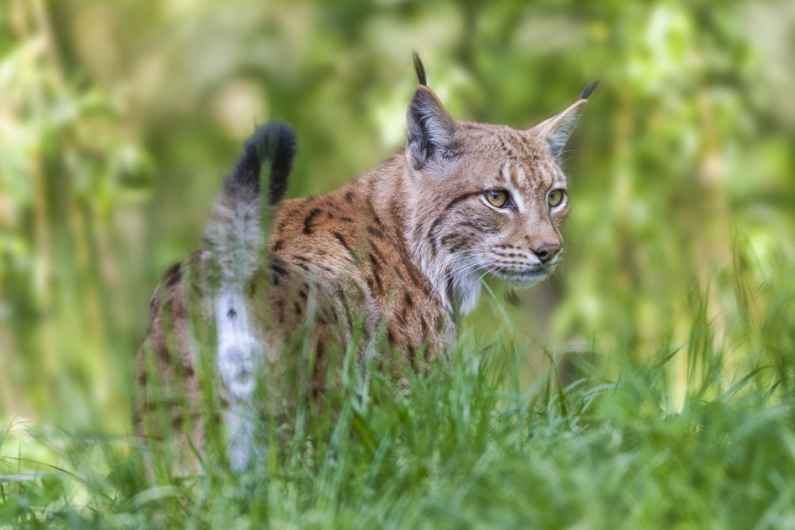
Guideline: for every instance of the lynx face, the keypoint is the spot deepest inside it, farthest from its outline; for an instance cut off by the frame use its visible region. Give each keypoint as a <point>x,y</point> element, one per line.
<point>487,199</point>
<point>506,199</point>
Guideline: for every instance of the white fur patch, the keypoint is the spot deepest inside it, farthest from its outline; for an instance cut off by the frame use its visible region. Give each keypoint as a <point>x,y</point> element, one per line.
<point>240,356</point>
<point>235,240</point>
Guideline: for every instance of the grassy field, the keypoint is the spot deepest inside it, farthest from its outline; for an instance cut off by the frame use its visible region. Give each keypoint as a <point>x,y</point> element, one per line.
<point>469,446</point>
<point>648,384</point>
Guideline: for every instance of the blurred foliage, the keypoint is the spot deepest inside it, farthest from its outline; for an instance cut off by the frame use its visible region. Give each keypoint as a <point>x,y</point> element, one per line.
<point>117,120</point>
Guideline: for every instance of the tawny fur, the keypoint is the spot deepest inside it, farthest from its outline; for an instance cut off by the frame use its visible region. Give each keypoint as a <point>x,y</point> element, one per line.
<point>399,253</point>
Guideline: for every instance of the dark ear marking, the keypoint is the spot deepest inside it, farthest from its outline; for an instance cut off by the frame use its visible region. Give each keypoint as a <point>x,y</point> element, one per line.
<point>589,89</point>
<point>557,129</point>
<point>431,130</point>
<point>419,68</point>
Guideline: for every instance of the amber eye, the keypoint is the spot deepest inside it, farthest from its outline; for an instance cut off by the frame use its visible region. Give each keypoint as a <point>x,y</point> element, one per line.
<point>497,198</point>
<point>556,197</point>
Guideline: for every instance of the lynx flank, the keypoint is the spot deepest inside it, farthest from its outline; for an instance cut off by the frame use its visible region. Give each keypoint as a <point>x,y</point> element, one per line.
<point>399,253</point>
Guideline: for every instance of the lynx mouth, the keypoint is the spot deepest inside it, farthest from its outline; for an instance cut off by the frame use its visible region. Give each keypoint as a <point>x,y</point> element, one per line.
<point>523,276</point>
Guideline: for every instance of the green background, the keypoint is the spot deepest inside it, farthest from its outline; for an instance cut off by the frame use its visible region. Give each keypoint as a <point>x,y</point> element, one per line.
<point>118,120</point>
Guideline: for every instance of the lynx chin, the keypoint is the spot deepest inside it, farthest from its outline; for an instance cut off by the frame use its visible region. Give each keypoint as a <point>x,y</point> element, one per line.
<point>384,264</point>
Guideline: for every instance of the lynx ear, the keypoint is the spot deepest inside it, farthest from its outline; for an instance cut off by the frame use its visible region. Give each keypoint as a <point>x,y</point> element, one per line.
<point>431,130</point>
<point>557,129</point>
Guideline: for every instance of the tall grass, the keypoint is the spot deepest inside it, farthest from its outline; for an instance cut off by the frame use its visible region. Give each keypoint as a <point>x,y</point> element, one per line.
<point>466,446</point>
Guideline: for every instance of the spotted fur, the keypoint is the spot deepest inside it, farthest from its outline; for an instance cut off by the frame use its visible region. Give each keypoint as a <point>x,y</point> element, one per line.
<point>396,254</point>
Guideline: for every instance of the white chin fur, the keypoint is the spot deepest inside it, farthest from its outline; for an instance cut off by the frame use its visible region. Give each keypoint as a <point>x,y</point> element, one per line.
<point>468,294</point>
<point>524,281</point>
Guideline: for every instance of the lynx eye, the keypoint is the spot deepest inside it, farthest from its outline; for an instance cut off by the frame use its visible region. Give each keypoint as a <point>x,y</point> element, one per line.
<point>498,198</point>
<point>556,197</point>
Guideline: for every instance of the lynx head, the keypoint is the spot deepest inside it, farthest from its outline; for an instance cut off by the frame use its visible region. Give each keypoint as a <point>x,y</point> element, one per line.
<point>485,199</point>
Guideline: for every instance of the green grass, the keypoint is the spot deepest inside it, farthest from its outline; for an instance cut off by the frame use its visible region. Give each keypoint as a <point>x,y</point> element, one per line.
<point>467,447</point>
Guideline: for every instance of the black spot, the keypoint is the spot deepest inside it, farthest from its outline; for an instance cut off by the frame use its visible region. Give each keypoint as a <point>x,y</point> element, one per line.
<point>231,314</point>
<point>344,243</point>
<point>314,212</point>
<point>349,196</point>
<point>277,272</point>
<point>278,269</point>
<point>375,232</point>
<point>173,275</point>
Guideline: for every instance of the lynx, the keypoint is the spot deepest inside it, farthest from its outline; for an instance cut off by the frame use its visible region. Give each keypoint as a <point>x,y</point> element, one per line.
<point>399,252</point>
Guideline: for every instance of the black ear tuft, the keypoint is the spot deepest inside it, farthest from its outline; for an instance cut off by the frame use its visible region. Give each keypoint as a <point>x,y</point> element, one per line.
<point>419,68</point>
<point>589,89</point>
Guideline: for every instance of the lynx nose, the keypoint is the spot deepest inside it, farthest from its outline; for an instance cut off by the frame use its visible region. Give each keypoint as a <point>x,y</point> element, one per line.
<point>547,251</point>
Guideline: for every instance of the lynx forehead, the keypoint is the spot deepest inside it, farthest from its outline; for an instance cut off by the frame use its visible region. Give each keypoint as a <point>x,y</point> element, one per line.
<point>399,252</point>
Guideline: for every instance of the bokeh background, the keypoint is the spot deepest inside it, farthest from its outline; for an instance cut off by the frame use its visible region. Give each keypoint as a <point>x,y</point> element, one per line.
<point>119,118</point>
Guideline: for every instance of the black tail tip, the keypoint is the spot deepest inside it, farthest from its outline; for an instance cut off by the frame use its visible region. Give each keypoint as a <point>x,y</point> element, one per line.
<point>589,89</point>
<point>419,68</point>
<point>274,142</point>
<point>277,141</point>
